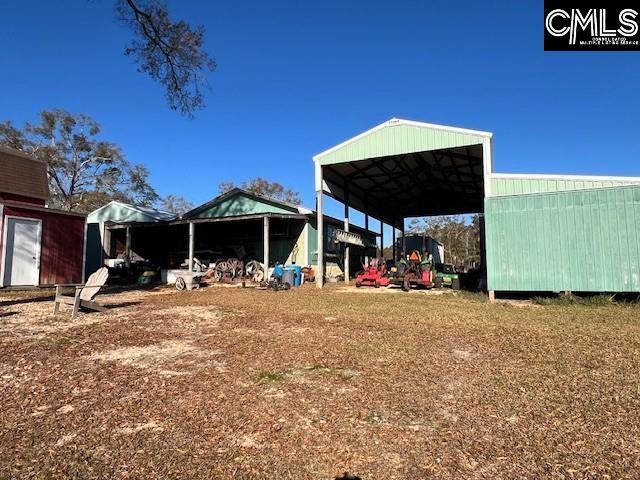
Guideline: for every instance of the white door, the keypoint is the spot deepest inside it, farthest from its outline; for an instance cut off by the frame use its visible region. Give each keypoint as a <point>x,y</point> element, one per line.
<point>22,251</point>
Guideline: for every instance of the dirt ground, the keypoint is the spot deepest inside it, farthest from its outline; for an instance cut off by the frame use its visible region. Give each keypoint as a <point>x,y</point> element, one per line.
<point>249,384</point>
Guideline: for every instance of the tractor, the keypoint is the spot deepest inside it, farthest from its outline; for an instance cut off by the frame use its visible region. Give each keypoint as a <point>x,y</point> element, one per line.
<point>414,271</point>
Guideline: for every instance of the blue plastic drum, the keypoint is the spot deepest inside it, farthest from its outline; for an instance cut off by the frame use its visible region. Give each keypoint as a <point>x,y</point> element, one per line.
<point>288,276</point>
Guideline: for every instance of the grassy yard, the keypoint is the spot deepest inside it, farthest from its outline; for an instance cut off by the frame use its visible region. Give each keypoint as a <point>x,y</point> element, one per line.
<point>247,384</point>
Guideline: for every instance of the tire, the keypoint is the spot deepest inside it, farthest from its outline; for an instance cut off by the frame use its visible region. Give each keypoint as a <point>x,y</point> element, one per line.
<point>258,276</point>
<point>438,282</point>
<point>455,284</point>
<point>219,271</point>
<point>358,283</point>
<point>234,267</point>
<point>180,284</point>
<point>406,286</point>
<point>286,286</point>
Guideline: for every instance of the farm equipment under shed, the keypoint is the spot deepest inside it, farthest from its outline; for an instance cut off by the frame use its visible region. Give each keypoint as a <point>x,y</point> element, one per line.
<point>412,272</point>
<point>373,274</point>
<point>447,276</point>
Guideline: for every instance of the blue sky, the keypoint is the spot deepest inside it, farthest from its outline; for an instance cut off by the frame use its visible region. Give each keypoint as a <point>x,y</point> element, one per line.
<point>295,78</point>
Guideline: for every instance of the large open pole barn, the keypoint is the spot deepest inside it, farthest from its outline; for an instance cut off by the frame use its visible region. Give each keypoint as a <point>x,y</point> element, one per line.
<point>540,233</point>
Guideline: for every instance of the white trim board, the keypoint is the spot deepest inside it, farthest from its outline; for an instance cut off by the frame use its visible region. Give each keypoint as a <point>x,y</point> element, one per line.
<point>306,243</point>
<point>400,121</point>
<point>544,176</point>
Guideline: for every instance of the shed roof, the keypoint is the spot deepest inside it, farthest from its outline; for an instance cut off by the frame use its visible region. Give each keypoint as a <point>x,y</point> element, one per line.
<point>240,202</point>
<point>23,174</point>
<point>402,168</point>
<point>116,211</point>
<point>398,136</point>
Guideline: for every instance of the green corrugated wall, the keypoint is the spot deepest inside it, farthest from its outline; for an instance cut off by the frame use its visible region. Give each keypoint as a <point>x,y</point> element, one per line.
<point>584,240</point>
<point>502,186</point>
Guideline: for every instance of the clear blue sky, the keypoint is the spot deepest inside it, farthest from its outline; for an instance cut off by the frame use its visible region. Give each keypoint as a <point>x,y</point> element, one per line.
<point>295,78</point>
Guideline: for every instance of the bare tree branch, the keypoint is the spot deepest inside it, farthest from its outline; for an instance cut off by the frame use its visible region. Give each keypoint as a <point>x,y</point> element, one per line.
<point>169,52</point>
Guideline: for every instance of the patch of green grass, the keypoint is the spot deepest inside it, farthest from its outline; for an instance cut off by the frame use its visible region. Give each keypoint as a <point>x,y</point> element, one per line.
<point>346,374</point>
<point>374,418</point>
<point>226,310</point>
<point>567,300</point>
<point>58,341</point>
<point>469,295</point>
<point>53,319</point>
<point>317,366</point>
<point>272,376</point>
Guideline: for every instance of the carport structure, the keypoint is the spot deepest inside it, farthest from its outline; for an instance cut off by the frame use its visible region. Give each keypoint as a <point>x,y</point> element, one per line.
<point>401,169</point>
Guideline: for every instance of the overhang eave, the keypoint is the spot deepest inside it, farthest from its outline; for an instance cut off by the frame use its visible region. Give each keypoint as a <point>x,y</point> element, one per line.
<point>399,136</point>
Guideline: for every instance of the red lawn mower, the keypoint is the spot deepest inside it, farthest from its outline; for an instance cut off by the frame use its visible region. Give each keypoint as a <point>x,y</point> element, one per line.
<point>373,275</point>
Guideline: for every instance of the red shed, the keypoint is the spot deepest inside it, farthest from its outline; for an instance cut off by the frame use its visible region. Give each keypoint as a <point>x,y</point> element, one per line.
<point>38,245</point>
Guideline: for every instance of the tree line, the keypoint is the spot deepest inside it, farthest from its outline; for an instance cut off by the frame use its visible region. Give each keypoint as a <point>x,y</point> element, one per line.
<point>459,234</point>
<point>86,172</point>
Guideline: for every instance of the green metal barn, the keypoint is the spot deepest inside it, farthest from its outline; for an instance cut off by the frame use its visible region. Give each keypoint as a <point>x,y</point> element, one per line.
<point>546,233</point>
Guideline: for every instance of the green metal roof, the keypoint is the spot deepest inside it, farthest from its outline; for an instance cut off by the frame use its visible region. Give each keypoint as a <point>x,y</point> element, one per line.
<point>397,137</point>
<point>125,213</point>
<point>239,202</point>
<point>402,168</point>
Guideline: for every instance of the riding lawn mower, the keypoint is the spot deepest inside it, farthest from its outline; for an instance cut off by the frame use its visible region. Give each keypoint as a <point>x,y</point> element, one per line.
<point>373,274</point>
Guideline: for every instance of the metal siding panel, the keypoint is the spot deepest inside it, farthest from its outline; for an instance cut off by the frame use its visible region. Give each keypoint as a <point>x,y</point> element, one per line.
<point>636,229</point>
<point>607,233</point>
<point>547,234</point>
<point>624,238</point>
<point>539,245</point>
<point>585,240</point>
<point>600,243</point>
<point>591,244</point>
<point>633,221</point>
<point>516,186</point>
<point>612,221</point>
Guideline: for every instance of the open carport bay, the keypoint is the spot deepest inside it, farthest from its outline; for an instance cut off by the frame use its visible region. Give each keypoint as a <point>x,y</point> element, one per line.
<point>167,245</point>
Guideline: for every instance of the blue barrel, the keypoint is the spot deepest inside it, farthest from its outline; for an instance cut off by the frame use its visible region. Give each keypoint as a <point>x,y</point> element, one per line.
<point>278,270</point>
<point>298,274</point>
<point>288,276</point>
